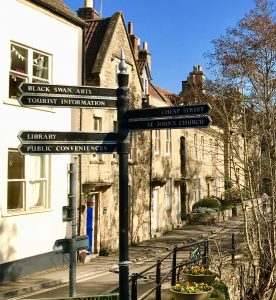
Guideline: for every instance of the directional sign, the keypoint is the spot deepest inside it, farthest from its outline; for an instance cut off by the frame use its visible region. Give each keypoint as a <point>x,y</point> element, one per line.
<point>69,148</point>
<point>60,136</point>
<point>169,111</point>
<point>88,91</point>
<point>58,101</point>
<point>192,122</point>
<point>64,245</point>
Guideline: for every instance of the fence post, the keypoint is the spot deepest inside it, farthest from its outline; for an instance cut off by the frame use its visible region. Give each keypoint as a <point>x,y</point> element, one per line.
<point>233,249</point>
<point>158,280</point>
<point>205,260</point>
<point>134,277</point>
<point>174,266</point>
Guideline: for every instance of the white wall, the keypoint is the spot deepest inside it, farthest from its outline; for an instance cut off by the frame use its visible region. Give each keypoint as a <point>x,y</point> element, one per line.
<point>25,235</point>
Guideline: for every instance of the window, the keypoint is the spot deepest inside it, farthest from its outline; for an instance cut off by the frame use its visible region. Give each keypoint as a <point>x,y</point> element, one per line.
<point>195,145</point>
<point>196,189</point>
<point>168,191</point>
<point>211,148</point>
<point>27,182</point>
<point>97,127</point>
<point>217,150</point>
<point>145,85</point>
<point>202,146</point>
<point>157,142</point>
<point>27,65</point>
<point>168,141</point>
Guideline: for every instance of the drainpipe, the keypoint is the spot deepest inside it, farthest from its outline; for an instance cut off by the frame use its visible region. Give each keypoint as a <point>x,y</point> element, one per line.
<point>150,186</point>
<point>83,80</point>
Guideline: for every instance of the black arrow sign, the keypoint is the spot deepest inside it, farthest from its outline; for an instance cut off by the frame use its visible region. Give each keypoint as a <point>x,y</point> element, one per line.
<point>56,101</point>
<point>169,111</point>
<point>193,122</point>
<point>63,148</point>
<point>89,91</point>
<point>63,136</point>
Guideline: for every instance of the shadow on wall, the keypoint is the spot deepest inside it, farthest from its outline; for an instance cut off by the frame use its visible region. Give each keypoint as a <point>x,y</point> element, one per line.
<point>7,251</point>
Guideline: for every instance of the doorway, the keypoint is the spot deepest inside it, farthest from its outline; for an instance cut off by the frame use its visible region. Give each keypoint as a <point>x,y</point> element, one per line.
<point>155,210</point>
<point>92,221</point>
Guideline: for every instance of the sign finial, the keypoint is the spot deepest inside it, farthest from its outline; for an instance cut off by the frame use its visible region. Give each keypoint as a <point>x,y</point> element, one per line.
<point>122,64</point>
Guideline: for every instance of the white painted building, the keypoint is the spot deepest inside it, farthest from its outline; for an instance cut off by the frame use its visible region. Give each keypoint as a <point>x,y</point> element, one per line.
<point>41,41</point>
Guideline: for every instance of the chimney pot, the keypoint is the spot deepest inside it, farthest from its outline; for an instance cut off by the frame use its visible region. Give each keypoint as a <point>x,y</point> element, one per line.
<point>194,68</point>
<point>130,28</point>
<point>145,46</point>
<point>89,3</point>
<point>199,68</point>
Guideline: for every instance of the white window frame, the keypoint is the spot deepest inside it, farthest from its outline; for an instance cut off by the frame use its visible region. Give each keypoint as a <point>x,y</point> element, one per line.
<point>27,74</point>
<point>168,142</point>
<point>157,141</point>
<point>168,194</point>
<point>27,182</point>
<point>97,123</point>
<point>195,146</point>
<point>202,146</point>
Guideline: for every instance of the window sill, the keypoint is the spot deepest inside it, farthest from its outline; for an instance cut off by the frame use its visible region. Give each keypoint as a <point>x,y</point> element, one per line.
<point>15,102</point>
<point>96,162</point>
<point>20,213</point>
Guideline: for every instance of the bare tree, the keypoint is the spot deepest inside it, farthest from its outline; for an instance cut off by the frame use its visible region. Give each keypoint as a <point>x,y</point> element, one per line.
<point>243,98</point>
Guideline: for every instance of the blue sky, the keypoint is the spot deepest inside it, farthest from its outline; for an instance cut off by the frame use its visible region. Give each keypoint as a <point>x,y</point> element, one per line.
<point>178,32</point>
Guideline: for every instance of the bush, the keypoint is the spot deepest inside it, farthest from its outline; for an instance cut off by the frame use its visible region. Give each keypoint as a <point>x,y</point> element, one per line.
<point>209,202</point>
<point>204,210</point>
<point>220,288</point>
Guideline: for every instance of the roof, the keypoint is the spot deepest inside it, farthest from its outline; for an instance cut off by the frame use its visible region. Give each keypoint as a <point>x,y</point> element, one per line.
<point>94,38</point>
<point>59,8</point>
<point>164,95</point>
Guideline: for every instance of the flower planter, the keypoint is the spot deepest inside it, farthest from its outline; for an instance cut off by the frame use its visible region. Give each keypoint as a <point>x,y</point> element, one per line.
<point>191,296</point>
<point>206,278</point>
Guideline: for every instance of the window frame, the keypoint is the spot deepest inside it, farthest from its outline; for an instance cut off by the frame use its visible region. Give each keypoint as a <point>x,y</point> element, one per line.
<point>157,142</point>
<point>168,194</point>
<point>168,142</point>
<point>27,181</point>
<point>28,75</point>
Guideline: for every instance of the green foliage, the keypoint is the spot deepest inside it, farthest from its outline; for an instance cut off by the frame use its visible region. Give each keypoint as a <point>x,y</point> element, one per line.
<point>220,288</point>
<point>209,202</point>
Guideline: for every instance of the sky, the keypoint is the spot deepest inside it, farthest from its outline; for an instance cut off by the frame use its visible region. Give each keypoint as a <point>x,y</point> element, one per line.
<point>178,32</point>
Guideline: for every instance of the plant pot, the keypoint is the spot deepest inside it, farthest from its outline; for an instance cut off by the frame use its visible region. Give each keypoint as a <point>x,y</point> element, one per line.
<point>191,296</point>
<point>199,278</point>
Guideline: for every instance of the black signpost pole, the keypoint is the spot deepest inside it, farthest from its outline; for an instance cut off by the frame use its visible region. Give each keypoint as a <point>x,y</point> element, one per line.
<point>122,106</point>
<point>72,205</point>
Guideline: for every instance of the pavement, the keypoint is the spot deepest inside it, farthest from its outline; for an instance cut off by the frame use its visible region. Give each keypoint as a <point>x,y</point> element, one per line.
<point>185,234</point>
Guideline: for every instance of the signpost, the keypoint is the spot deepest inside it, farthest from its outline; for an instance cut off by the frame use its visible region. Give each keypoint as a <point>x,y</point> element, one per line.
<point>182,116</point>
<point>66,148</point>
<point>57,101</point>
<point>65,136</point>
<point>169,111</point>
<point>88,91</point>
<point>168,123</point>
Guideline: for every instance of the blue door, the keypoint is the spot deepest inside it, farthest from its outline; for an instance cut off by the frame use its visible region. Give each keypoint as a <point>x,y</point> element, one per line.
<point>89,226</point>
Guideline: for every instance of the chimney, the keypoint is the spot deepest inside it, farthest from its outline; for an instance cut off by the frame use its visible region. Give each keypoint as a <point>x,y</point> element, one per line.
<point>134,40</point>
<point>195,79</point>
<point>144,54</point>
<point>89,3</point>
<point>145,46</point>
<point>130,28</point>
<point>88,12</point>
